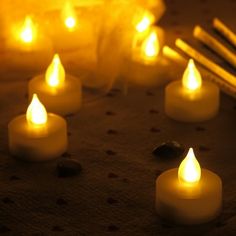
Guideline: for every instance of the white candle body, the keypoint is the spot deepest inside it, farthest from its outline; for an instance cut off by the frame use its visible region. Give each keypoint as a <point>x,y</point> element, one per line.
<point>191,106</point>
<point>28,56</point>
<point>65,39</point>
<point>31,143</point>
<point>142,69</point>
<point>144,73</point>
<point>63,100</point>
<point>176,203</point>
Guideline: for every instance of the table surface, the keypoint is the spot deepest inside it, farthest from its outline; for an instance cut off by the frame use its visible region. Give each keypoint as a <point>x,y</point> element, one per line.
<point>113,138</point>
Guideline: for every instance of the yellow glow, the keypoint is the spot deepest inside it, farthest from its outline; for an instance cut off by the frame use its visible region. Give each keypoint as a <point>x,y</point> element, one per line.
<point>192,79</point>
<point>36,113</point>
<point>189,170</point>
<point>69,16</point>
<point>27,33</point>
<point>55,74</point>
<point>145,22</point>
<point>151,46</point>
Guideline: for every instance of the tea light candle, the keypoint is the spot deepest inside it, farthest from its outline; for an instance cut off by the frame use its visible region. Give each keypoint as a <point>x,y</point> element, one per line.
<point>28,47</point>
<point>146,66</point>
<point>68,30</point>
<point>191,100</point>
<point>188,195</point>
<point>37,136</point>
<point>60,93</point>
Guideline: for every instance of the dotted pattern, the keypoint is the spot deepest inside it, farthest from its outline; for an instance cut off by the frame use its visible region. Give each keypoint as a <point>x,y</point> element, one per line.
<point>113,138</point>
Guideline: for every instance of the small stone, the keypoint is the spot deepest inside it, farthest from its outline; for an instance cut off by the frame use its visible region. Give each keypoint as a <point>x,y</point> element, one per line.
<point>169,150</point>
<point>68,168</point>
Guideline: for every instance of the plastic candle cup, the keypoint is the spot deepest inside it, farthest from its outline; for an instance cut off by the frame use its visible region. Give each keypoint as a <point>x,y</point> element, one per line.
<point>38,135</point>
<point>191,100</point>
<point>60,93</point>
<point>145,65</point>
<point>188,195</point>
<point>28,47</point>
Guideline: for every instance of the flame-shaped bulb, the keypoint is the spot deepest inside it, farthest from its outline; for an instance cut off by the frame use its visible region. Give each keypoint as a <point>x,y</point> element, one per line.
<point>55,74</point>
<point>192,79</point>
<point>36,113</point>
<point>189,170</point>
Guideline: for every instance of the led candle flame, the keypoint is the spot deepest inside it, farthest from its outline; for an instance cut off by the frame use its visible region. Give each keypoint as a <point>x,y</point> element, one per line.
<point>189,170</point>
<point>69,16</point>
<point>28,31</point>
<point>150,46</point>
<point>145,23</point>
<point>55,74</point>
<point>36,113</point>
<point>192,79</point>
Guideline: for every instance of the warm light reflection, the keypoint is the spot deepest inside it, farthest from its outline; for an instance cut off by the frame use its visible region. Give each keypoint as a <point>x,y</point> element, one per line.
<point>145,22</point>
<point>151,46</point>
<point>55,74</point>
<point>69,16</point>
<point>28,31</point>
<point>36,113</point>
<point>189,170</point>
<point>192,79</point>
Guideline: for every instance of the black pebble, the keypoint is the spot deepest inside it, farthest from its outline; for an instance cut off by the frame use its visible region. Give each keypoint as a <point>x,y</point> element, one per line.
<point>68,168</point>
<point>169,150</point>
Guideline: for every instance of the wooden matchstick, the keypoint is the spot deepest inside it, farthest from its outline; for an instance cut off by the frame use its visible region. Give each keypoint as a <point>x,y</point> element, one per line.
<point>200,58</point>
<point>225,31</point>
<point>215,45</point>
